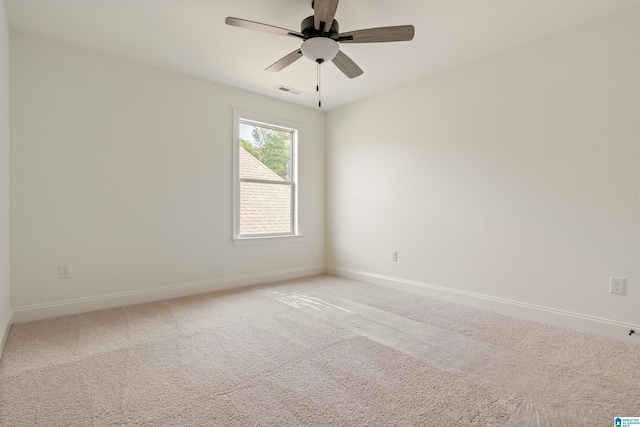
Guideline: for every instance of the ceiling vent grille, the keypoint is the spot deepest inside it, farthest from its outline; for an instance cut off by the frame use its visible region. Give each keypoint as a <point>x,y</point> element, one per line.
<point>289,90</point>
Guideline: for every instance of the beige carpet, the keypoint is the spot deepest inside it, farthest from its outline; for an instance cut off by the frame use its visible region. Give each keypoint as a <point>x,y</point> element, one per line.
<point>322,351</point>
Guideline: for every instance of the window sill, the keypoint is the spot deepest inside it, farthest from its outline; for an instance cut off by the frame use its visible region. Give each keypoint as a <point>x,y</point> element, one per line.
<point>268,240</point>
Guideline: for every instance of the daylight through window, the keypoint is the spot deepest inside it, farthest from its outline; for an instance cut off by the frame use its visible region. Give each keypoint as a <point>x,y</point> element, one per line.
<point>266,169</point>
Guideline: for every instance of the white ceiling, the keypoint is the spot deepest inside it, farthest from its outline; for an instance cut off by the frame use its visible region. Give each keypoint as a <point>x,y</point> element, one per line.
<point>190,37</point>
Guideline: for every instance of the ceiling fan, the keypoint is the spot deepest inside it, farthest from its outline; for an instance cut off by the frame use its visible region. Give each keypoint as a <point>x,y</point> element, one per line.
<point>321,37</point>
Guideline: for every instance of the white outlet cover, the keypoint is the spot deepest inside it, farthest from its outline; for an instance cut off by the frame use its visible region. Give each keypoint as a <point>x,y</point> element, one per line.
<point>64,271</point>
<point>617,285</point>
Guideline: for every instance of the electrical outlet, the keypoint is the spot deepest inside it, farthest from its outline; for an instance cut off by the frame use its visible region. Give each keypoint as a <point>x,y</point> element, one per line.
<point>64,271</point>
<point>394,256</point>
<point>617,285</point>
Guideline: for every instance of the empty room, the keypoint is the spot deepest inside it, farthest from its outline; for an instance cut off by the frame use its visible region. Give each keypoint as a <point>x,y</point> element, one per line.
<point>327,213</point>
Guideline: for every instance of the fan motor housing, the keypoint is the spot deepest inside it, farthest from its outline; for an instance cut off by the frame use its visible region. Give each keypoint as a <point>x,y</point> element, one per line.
<point>308,29</point>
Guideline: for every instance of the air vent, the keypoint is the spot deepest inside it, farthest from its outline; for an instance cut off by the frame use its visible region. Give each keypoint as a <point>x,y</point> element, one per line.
<point>289,90</point>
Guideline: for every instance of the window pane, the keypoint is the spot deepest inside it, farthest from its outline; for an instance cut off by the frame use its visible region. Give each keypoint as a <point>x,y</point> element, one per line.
<point>269,153</point>
<point>265,208</point>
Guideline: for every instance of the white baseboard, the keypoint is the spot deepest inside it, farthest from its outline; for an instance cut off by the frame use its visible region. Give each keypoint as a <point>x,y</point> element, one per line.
<point>533,312</point>
<point>82,305</point>
<point>5,326</point>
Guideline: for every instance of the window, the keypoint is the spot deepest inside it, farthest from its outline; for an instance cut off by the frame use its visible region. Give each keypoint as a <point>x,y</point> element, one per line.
<point>264,177</point>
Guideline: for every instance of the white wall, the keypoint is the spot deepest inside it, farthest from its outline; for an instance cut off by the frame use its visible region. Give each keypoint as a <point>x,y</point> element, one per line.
<point>5,308</point>
<point>124,171</point>
<point>516,178</point>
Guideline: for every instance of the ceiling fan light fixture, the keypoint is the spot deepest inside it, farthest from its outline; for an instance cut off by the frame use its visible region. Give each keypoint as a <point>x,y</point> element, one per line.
<point>320,49</point>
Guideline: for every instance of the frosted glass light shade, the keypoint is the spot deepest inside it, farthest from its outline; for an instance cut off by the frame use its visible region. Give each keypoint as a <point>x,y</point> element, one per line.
<point>320,48</point>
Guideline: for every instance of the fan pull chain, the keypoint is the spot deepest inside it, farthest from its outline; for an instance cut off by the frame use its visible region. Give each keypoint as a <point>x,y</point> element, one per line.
<point>318,86</point>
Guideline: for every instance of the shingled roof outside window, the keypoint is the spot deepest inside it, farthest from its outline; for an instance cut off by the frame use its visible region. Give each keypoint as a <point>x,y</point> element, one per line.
<point>265,207</point>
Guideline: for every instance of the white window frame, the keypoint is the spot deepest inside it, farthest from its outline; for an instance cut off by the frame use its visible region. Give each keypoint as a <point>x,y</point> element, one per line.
<point>273,123</point>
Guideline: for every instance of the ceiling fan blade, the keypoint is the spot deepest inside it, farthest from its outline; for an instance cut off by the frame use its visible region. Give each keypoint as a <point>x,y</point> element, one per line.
<point>346,65</point>
<point>286,61</point>
<point>324,11</point>
<point>399,33</point>
<point>258,26</point>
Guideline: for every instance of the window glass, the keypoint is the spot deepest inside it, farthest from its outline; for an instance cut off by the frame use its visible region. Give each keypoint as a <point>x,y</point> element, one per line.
<point>266,179</point>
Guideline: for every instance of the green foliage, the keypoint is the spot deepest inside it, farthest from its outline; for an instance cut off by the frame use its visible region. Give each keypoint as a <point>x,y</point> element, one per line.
<point>249,148</point>
<point>272,148</point>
